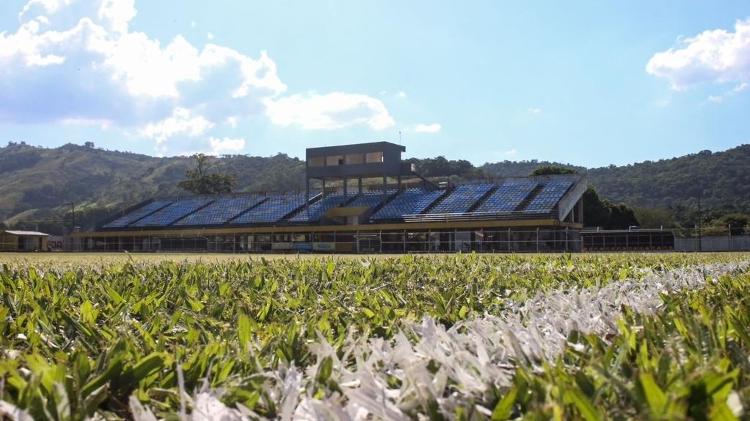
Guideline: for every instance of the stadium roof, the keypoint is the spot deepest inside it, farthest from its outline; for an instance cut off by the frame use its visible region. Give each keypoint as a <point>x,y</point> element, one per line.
<point>26,233</point>
<point>357,147</point>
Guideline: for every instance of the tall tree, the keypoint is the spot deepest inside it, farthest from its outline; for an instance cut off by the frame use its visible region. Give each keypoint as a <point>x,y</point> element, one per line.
<point>597,212</point>
<point>200,181</point>
<point>553,170</point>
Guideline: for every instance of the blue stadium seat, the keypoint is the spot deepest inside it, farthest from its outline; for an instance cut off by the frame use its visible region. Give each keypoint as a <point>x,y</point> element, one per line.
<point>137,214</point>
<point>551,193</point>
<point>507,196</point>
<point>367,200</point>
<point>462,198</point>
<point>408,202</point>
<point>315,210</point>
<point>272,210</point>
<point>221,210</point>
<point>169,214</point>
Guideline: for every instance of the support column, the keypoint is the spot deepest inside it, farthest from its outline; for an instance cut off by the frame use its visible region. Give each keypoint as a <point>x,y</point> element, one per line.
<point>508,240</point>
<point>579,214</point>
<point>307,195</point>
<point>359,185</point>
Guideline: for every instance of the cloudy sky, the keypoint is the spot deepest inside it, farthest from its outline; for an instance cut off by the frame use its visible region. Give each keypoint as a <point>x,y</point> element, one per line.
<point>589,82</point>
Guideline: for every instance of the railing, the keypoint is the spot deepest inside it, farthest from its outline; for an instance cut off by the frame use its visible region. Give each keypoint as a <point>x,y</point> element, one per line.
<point>477,216</point>
<point>397,241</point>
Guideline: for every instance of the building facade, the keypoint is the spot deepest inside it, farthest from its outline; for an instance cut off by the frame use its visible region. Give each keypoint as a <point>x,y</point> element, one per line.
<point>14,240</point>
<point>359,199</point>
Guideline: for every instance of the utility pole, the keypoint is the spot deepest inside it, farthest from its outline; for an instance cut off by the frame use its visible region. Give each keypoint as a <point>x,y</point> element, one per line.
<point>73,211</point>
<point>700,222</point>
<point>730,236</point>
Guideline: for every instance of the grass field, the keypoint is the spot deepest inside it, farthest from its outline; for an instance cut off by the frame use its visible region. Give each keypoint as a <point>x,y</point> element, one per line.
<point>587,336</point>
<point>97,258</point>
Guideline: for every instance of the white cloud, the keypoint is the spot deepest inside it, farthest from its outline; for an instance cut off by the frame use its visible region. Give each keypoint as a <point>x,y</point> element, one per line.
<point>428,128</point>
<point>511,152</point>
<point>232,121</point>
<point>534,110</point>
<point>401,94</point>
<point>730,93</point>
<point>220,146</point>
<point>330,111</point>
<point>210,36</point>
<point>117,13</point>
<point>713,56</point>
<point>181,122</point>
<point>80,61</point>
<point>46,6</point>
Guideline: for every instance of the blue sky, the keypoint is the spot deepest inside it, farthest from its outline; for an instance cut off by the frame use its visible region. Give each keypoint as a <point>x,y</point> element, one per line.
<point>591,83</point>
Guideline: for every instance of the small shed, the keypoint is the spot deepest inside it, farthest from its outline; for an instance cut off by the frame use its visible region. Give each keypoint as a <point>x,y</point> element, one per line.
<point>14,240</point>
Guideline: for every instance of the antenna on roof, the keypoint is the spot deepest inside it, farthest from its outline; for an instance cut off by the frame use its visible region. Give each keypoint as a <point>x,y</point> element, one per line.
<point>399,137</point>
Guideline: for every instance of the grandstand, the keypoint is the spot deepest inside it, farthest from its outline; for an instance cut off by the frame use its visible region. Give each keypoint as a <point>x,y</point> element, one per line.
<point>389,208</point>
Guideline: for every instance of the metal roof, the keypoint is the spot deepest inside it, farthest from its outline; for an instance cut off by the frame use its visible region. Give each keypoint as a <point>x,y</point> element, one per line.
<point>355,148</point>
<point>27,233</point>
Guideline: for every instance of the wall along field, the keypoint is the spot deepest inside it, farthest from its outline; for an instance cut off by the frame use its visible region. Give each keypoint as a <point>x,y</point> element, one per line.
<point>442,337</point>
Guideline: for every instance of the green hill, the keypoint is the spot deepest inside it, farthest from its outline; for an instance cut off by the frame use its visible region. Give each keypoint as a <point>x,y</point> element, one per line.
<point>720,179</point>
<point>39,184</point>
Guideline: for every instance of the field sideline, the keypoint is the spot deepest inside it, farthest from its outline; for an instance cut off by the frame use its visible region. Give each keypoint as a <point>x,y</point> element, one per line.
<point>198,257</point>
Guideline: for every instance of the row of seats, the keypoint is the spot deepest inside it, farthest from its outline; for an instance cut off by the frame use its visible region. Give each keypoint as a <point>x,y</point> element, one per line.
<point>508,196</point>
<point>137,214</point>
<point>171,213</point>
<point>272,210</point>
<point>221,210</point>
<point>260,209</point>
<point>315,210</point>
<point>548,197</point>
<point>367,200</point>
<point>462,198</point>
<point>408,202</point>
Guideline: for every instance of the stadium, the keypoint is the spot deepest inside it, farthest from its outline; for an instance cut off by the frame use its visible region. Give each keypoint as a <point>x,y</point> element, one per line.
<point>359,198</point>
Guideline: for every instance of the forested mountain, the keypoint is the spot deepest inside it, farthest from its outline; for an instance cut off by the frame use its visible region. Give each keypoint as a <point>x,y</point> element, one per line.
<point>718,179</point>
<point>38,185</point>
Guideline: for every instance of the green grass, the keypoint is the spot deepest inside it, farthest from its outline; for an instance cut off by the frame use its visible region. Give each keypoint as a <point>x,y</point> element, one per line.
<point>82,333</point>
<point>689,361</point>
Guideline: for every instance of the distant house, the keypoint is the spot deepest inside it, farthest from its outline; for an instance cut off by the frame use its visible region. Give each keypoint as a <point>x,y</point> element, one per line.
<point>13,240</point>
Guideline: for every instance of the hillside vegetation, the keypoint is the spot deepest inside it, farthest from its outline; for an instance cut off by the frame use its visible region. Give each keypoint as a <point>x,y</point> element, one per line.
<point>39,184</point>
